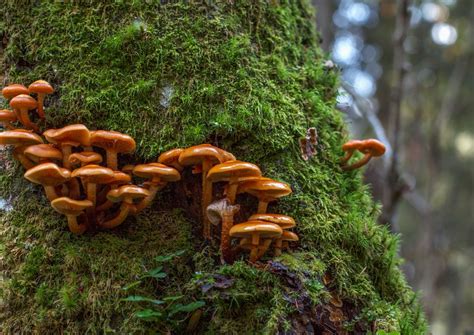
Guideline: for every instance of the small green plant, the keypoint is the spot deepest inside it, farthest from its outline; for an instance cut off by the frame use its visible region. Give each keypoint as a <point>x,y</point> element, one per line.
<point>165,309</point>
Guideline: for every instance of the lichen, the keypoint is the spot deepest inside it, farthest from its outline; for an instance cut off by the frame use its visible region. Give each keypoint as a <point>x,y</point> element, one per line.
<point>247,76</point>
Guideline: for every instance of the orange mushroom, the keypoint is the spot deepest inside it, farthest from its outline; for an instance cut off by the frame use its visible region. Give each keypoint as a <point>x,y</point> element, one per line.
<point>171,158</point>
<point>85,158</point>
<point>20,139</point>
<point>49,175</point>
<point>42,153</point>
<point>7,117</point>
<point>93,175</point>
<point>370,148</point>
<point>24,103</point>
<point>118,179</point>
<point>349,149</point>
<point>41,88</point>
<point>11,91</point>
<point>266,190</point>
<point>67,137</point>
<point>72,209</point>
<point>114,143</point>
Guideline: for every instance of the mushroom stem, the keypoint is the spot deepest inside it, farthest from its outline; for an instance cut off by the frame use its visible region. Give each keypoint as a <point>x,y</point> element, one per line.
<point>25,162</point>
<point>206,197</point>
<point>359,163</point>
<point>66,150</point>
<point>25,119</point>
<point>40,105</point>
<point>144,203</point>
<point>347,156</point>
<point>254,250</point>
<point>262,207</point>
<point>112,160</point>
<point>50,192</point>
<point>91,196</point>
<point>119,218</point>
<point>227,223</point>
<point>74,189</point>
<point>232,190</point>
<point>73,225</point>
<point>264,247</point>
<point>278,244</point>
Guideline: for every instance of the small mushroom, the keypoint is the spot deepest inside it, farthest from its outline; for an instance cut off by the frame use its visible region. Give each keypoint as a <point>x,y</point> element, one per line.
<point>11,91</point>
<point>266,190</point>
<point>349,149</point>
<point>20,139</point>
<point>223,211</point>
<point>41,88</point>
<point>42,153</point>
<point>118,179</point>
<point>24,103</point>
<point>284,221</point>
<point>159,174</point>
<point>286,236</point>
<point>72,209</point>
<point>68,137</point>
<point>233,172</point>
<point>114,143</point>
<point>7,117</point>
<point>204,155</point>
<point>370,148</point>
<point>126,194</point>
<point>171,157</point>
<point>85,158</point>
<point>93,175</point>
<point>49,175</point>
<point>255,230</point>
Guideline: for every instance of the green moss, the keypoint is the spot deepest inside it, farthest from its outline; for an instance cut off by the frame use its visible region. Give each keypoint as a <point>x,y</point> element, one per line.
<point>245,75</point>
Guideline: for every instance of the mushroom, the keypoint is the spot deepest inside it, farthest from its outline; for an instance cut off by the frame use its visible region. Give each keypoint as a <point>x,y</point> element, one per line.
<point>23,103</point>
<point>7,117</point>
<point>349,149</point>
<point>205,155</point>
<point>370,148</point>
<point>85,158</point>
<point>68,137</point>
<point>118,179</point>
<point>266,190</point>
<point>233,172</point>
<point>21,139</point>
<point>223,211</point>
<point>286,236</point>
<point>159,174</point>
<point>246,244</point>
<point>255,230</point>
<point>126,194</point>
<point>72,209</point>
<point>171,157</point>
<point>12,91</point>
<point>113,142</point>
<point>49,175</point>
<point>93,175</point>
<point>41,88</point>
<point>42,153</point>
<point>284,221</point>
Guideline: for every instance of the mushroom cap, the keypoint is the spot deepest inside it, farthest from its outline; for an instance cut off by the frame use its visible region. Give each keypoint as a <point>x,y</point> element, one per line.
<point>40,87</point>
<point>19,137</point>
<point>48,174</point>
<point>352,145</point>
<point>129,192</point>
<point>374,147</point>
<point>7,115</point>
<point>95,174</point>
<point>85,157</point>
<point>262,228</point>
<point>128,169</point>
<point>75,134</point>
<point>43,151</point>
<point>171,157</point>
<point>13,90</point>
<point>284,221</point>
<point>265,188</point>
<point>289,236</point>
<point>23,101</point>
<point>112,141</point>
<point>233,169</point>
<point>227,155</point>
<point>119,178</point>
<point>68,206</point>
<point>195,155</point>
<point>157,171</point>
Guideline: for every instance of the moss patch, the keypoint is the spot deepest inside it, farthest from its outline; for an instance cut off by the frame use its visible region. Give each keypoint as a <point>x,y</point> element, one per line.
<point>245,75</point>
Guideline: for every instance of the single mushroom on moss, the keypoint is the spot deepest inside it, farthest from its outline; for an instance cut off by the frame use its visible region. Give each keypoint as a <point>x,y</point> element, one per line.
<point>41,88</point>
<point>370,148</point>
<point>113,143</point>
<point>126,194</point>
<point>266,190</point>
<point>20,139</point>
<point>24,103</point>
<point>159,174</point>
<point>204,155</point>
<point>49,175</point>
<point>67,137</point>
<point>233,172</point>
<point>72,209</point>
<point>255,230</point>
<point>349,148</point>
<point>7,117</point>
<point>223,211</point>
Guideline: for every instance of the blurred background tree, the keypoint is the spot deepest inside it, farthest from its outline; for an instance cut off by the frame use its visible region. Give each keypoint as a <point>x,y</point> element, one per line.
<point>420,59</point>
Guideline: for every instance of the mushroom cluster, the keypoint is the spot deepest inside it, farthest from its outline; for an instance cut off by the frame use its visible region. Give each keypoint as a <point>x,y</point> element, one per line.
<point>370,148</point>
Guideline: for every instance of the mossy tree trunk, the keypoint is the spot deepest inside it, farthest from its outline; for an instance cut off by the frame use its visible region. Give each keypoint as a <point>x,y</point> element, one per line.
<point>247,76</point>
